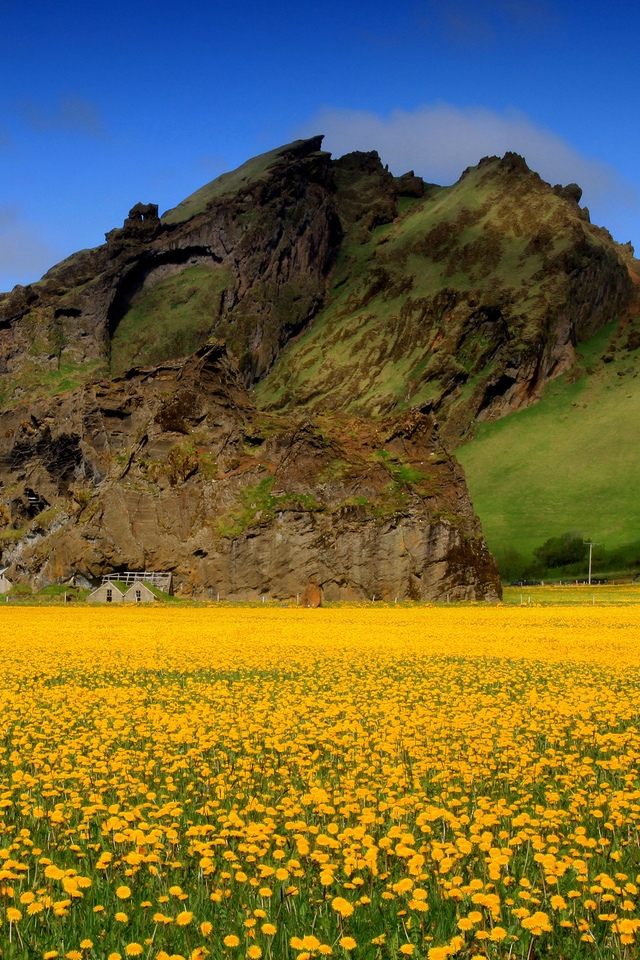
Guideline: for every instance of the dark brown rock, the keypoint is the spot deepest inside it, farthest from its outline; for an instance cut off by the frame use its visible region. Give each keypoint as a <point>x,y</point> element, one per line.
<point>172,468</point>
<point>408,185</point>
<point>366,192</point>
<point>312,596</point>
<point>275,240</point>
<point>571,192</point>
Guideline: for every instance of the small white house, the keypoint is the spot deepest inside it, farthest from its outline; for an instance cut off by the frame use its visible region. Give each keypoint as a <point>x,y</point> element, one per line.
<point>5,585</point>
<point>106,593</point>
<point>139,593</point>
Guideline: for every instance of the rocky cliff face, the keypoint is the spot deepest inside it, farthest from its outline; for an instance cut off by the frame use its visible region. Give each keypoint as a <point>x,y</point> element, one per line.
<point>255,255</point>
<point>128,440</point>
<point>389,293</point>
<point>468,302</point>
<point>172,468</point>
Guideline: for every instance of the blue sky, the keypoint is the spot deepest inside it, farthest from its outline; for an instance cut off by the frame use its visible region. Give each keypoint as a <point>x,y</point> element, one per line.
<point>103,105</point>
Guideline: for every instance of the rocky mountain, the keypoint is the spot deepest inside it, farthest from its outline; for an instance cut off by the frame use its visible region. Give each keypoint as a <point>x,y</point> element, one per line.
<point>356,307</point>
<point>468,302</point>
<point>171,467</point>
<point>247,261</point>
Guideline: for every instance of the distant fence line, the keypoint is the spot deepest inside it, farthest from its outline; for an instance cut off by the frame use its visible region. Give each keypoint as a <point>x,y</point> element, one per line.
<point>160,580</point>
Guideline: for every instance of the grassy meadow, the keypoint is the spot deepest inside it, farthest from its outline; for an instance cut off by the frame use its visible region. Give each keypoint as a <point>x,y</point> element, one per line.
<point>358,782</point>
<point>570,462</point>
<point>575,595</point>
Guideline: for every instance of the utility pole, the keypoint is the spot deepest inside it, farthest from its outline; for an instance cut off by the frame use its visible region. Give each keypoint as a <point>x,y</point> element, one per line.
<point>591,545</point>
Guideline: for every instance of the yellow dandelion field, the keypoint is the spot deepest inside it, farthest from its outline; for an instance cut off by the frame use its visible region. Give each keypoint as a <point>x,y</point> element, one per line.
<point>357,782</point>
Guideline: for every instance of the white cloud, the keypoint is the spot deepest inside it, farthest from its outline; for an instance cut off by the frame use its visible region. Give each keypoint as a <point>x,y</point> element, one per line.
<point>479,22</point>
<point>440,140</point>
<point>71,114</point>
<point>24,255</point>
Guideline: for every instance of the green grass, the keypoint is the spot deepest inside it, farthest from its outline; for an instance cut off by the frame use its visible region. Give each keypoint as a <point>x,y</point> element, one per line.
<point>577,595</point>
<point>37,380</point>
<point>570,462</point>
<point>172,320</point>
<point>388,337</point>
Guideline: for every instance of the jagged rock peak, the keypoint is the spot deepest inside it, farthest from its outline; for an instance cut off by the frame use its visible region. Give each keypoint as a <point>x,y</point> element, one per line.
<point>244,177</point>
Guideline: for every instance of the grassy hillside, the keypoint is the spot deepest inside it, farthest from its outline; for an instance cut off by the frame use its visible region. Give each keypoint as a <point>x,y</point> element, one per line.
<point>571,462</point>
<point>170,320</point>
<point>427,308</point>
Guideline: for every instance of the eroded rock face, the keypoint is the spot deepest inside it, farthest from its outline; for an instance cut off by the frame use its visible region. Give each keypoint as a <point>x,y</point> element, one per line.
<point>271,243</point>
<point>128,440</point>
<point>172,468</point>
<point>468,298</point>
<point>472,301</point>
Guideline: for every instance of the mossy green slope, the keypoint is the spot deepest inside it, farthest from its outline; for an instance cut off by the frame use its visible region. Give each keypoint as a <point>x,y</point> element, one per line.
<point>170,320</point>
<point>428,308</point>
<point>571,461</point>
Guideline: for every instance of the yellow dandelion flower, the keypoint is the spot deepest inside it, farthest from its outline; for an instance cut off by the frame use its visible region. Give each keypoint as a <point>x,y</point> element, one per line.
<point>121,917</point>
<point>86,944</point>
<point>13,915</point>
<point>342,906</point>
<point>254,952</point>
<point>269,929</point>
<point>558,902</point>
<point>403,886</point>
<point>123,892</point>
<point>347,943</point>
<point>133,949</point>
<point>537,923</point>
<point>231,940</point>
<point>206,928</point>
<point>184,918</point>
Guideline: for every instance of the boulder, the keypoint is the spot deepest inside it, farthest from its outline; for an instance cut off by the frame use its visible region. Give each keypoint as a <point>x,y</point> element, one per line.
<point>312,596</point>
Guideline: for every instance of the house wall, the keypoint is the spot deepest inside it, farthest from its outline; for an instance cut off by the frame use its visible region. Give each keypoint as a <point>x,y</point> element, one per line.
<point>146,595</point>
<point>100,595</point>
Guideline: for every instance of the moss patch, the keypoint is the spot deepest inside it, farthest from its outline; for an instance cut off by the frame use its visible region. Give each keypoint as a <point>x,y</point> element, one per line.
<point>425,304</point>
<point>172,320</point>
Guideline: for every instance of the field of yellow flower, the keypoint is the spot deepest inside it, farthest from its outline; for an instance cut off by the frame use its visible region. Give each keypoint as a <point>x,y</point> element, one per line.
<point>365,783</point>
